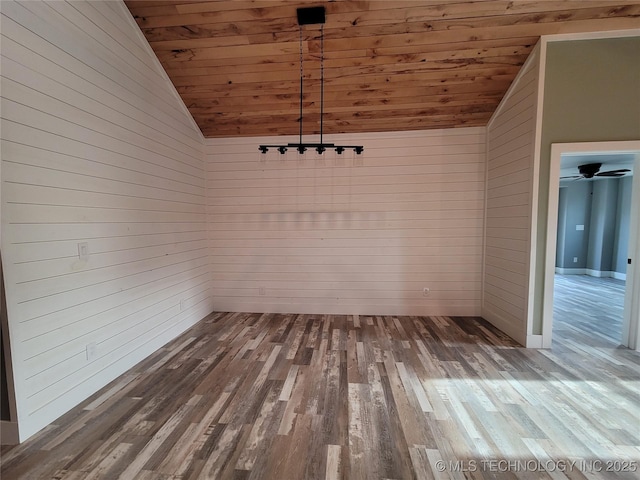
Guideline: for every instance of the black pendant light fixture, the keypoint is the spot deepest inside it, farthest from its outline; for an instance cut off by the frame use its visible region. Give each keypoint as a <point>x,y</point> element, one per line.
<point>312,16</point>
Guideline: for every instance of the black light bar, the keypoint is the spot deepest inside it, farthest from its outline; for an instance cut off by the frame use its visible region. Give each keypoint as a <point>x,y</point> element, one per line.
<point>319,147</point>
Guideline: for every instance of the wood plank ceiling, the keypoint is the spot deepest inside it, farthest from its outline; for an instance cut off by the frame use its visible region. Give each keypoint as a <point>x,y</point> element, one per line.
<point>389,65</point>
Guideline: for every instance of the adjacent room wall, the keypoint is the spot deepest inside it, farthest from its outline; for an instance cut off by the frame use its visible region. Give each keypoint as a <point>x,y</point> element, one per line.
<point>591,93</point>
<point>604,202</point>
<point>621,247</point>
<point>562,230</point>
<point>97,152</point>
<point>602,207</point>
<point>576,210</point>
<point>349,236</point>
<point>510,166</point>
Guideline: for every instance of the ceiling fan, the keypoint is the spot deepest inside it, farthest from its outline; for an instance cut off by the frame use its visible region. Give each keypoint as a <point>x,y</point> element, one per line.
<point>591,170</point>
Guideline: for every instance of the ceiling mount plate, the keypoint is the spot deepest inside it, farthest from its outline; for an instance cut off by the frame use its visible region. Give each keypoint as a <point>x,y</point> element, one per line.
<point>310,15</point>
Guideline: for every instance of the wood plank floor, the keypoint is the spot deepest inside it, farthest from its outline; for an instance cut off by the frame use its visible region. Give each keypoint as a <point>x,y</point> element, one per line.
<point>588,309</point>
<point>267,396</point>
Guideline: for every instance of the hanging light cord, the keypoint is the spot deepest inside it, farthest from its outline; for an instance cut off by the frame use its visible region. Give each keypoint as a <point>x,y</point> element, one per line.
<point>321,79</point>
<point>301,76</point>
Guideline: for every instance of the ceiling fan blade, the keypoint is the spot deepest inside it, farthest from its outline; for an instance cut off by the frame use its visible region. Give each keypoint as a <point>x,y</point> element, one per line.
<point>571,176</point>
<point>612,173</point>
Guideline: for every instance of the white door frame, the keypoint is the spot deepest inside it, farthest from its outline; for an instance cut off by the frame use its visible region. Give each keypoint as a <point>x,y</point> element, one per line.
<point>631,318</point>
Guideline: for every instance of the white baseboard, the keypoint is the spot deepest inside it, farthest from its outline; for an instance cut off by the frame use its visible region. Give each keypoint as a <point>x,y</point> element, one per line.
<point>9,433</point>
<point>571,271</point>
<point>598,273</point>
<point>619,276</point>
<point>591,273</point>
<point>226,304</point>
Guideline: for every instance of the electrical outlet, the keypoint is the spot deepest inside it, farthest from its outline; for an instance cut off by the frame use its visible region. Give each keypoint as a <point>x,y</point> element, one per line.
<point>183,304</point>
<point>575,259</point>
<point>92,351</point>
<point>425,292</point>
<point>262,291</point>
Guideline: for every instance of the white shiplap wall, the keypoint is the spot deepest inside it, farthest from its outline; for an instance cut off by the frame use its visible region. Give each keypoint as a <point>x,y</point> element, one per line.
<point>510,166</point>
<point>96,148</point>
<point>343,235</point>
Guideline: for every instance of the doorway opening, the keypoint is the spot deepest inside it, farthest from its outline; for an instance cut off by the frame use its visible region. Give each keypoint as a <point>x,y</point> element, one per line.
<point>591,289</point>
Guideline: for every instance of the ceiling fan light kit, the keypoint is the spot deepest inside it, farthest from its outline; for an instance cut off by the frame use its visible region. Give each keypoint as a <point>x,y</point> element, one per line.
<point>312,16</point>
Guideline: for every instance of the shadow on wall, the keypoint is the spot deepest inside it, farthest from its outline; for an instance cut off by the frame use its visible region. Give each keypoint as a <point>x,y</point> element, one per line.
<point>296,234</point>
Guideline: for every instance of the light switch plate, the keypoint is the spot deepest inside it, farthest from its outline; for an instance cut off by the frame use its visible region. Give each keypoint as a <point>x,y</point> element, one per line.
<point>83,251</point>
<point>92,351</point>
